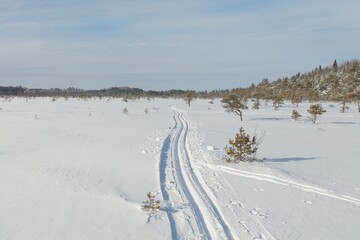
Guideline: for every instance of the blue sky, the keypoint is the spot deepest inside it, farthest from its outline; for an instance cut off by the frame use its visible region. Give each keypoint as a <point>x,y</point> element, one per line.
<point>167,44</point>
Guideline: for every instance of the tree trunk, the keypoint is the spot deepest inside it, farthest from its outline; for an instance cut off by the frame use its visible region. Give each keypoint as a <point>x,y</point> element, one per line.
<point>343,107</point>
<point>241,118</point>
<point>314,119</point>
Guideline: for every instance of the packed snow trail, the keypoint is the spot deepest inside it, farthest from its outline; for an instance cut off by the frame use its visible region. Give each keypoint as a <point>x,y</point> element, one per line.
<point>166,197</point>
<point>287,182</point>
<point>205,214</point>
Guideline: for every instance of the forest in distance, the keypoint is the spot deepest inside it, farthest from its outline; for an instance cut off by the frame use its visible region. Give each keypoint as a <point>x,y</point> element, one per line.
<point>337,82</point>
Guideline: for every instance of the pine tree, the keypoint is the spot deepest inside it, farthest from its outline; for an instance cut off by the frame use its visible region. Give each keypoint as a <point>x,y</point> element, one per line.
<point>242,148</point>
<point>125,111</point>
<point>235,104</point>
<point>335,65</point>
<point>189,96</point>
<point>295,100</point>
<point>278,101</point>
<point>256,104</point>
<point>295,115</point>
<point>151,204</point>
<point>315,110</point>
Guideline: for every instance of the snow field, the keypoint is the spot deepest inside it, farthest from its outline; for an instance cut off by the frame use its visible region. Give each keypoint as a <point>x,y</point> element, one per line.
<point>308,186</point>
<point>80,169</point>
<point>71,175</point>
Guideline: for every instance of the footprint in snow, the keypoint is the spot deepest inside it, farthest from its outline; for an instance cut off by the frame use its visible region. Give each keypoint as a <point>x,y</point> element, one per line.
<point>260,237</point>
<point>234,202</point>
<point>256,212</point>
<point>210,148</point>
<point>258,190</point>
<point>218,188</point>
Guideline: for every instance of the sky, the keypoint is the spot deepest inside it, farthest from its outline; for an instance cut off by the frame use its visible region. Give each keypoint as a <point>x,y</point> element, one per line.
<point>171,44</point>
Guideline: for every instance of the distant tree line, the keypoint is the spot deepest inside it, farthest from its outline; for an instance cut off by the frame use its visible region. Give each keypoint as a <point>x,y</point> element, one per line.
<point>338,82</point>
<point>116,92</point>
<point>12,91</point>
<point>322,83</point>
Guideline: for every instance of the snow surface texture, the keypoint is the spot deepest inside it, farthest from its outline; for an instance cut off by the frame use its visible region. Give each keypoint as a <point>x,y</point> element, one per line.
<point>80,169</point>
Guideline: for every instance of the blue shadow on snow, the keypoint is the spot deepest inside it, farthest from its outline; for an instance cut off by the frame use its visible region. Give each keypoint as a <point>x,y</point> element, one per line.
<point>270,119</point>
<point>163,158</point>
<point>289,159</point>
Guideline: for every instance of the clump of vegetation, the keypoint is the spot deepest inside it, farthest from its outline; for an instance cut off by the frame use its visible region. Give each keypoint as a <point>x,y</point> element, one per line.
<point>151,204</point>
<point>256,104</point>
<point>242,148</point>
<point>315,110</point>
<point>234,103</point>
<point>278,101</point>
<point>295,115</point>
<point>348,98</point>
<point>189,96</point>
<point>295,100</point>
<point>125,111</point>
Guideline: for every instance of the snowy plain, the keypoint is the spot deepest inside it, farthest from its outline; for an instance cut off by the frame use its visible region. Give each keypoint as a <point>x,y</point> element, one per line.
<point>76,169</point>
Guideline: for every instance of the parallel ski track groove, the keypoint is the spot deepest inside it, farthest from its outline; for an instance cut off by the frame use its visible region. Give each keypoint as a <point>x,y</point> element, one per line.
<point>180,177</point>
<point>288,183</point>
<point>206,198</point>
<point>201,192</point>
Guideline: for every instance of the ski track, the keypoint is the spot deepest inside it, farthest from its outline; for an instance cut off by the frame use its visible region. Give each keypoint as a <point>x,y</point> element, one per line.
<point>287,182</point>
<point>253,227</point>
<point>209,220</point>
<point>166,197</point>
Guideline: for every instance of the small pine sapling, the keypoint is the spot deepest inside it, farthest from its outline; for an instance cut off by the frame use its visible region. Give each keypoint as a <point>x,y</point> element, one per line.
<point>242,148</point>
<point>151,204</point>
<point>189,96</point>
<point>295,115</point>
<point>256,104</point>
<point>125,111</point>
<point>315,110</point>
<point>295,100</point>
<point>278,102</point>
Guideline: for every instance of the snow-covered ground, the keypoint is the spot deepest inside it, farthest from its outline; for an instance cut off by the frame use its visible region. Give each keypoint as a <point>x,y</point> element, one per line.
<point>80,169</point>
